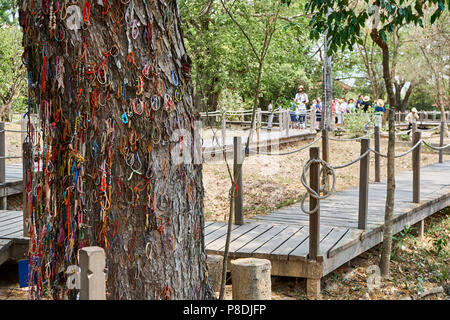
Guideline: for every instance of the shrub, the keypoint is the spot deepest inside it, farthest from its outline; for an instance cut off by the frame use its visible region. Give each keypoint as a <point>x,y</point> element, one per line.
<point>357,123</point>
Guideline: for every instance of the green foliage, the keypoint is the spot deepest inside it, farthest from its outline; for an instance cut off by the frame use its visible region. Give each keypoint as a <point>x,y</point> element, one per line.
<point>345,26</point>
<point>8,12</point>
<point>223,59</point>
<point>12,72</point>
<point>440,245</point>
<point>357,123</point>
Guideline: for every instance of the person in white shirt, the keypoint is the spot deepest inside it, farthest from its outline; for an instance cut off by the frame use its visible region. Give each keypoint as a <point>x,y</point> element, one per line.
<point>343,110</point>
<point>412,117</point>
<point>270,109</point>
<point>301,98</point>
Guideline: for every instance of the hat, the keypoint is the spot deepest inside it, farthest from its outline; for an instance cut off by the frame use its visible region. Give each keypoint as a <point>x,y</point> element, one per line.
<point>380,102</point>
<point>414,110</point>
<point>366,98</point>
<point>300,86</point>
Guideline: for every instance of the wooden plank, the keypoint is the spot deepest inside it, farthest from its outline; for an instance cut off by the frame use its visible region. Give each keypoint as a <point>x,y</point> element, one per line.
<point>302,250</point>
<point>9,215</point>
<point>219,233</point>
<point>219,243</point>
<point>213,227</point>
<point>293,242</point>
<point>276,241</point>
<point>249,237</point>
<point>6,227</point>
<point>262,239</point>
<point>331,239</point>
<point>4,250</point>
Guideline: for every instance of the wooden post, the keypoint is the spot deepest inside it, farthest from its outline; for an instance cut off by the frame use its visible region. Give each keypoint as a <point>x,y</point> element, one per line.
<point>92,278</point>
<point>314,218</point>
<point>237,172</point>
<point>325,157</point>
<point>3,198</point>
<point>224,128</point>
<point>286,121</point>
<point>25,161</point>
<point>416,167</point>
<point>441,142</point>
<point>313,120</point>
<point>434,116</point>
<point>258,128</point>
<point>377,157</point>
<point>413,128</point>
<point>269,140</point>
<point>363,185</point>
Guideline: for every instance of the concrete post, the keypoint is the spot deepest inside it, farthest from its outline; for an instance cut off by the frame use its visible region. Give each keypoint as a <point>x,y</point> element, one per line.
<point>93,280</point>
<point>215,264</point>
<point>251,279</point>
<point>224,124</point>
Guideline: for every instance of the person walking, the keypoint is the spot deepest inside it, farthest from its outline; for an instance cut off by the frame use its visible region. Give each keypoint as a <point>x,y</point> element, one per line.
<point>301,98</point>
<point>318,108</point>
<point>366,104</point>
<point>270,109</point>
<point>379,112</point>
<point>359,103</point>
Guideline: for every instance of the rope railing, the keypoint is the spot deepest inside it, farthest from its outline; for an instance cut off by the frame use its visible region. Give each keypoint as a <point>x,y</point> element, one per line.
<point>326,167</point>
<point>351,162</point>
<point>398,155</point>
<point>435,148</point>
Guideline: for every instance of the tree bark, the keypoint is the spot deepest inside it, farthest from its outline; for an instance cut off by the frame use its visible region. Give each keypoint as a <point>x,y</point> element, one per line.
<point>116,169</point>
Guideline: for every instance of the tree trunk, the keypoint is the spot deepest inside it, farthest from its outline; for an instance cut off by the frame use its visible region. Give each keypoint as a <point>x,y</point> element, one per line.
<point>389,207</point>
<point>112,174</point>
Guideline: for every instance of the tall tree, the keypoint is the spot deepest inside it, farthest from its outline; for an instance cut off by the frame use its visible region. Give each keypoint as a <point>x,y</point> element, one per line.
<point>111,84</point>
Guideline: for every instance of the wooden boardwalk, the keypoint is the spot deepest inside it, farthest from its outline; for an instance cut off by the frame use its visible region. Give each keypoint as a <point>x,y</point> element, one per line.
<point>11,232</point>
<point>13,179</point>
<point>282,236</point>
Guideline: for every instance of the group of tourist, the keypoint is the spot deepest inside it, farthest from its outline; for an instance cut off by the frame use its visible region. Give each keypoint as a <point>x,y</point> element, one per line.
<point>340,107</point>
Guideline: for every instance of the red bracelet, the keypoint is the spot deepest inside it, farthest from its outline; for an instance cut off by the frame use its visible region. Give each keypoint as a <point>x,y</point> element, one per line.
<point>86,11</point>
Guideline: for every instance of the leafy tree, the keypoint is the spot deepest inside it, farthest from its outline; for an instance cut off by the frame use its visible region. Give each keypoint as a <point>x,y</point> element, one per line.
<point>12,71</point>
